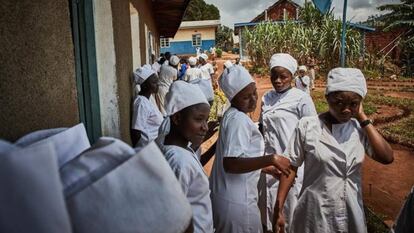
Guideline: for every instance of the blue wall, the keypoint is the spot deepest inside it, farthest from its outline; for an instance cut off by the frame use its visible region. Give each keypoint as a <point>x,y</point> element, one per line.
<point>186,47</point>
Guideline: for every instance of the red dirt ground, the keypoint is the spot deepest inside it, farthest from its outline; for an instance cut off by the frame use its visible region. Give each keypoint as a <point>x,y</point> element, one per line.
<point>384,186</point>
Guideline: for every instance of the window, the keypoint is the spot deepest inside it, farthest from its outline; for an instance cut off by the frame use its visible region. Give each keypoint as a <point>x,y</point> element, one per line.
<point>196,40</point>
<point>165,42</point>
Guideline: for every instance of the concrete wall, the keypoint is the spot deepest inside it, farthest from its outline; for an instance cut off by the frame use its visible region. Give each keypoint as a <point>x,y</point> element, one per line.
<point>186,34</point>
<point>37,71</point>
<point>182,41</point>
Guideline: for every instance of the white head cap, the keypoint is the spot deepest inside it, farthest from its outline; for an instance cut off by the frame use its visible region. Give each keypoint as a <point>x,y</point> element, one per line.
<point>302,68</point>
<point>346,79</point>
<point>143,73</point>
<point>192,61</point>
<point>228,64</point>
<point>182,95</point>
<point>233,80</point>
<point>284,60</point>
<point>174,60</point>
<point>204,56</point>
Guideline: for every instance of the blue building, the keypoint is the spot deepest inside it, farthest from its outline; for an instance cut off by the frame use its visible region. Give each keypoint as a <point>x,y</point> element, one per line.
<point>190,36</point>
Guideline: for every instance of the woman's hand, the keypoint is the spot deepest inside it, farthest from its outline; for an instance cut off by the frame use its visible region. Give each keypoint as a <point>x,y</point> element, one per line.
<point>361,116</point>
<point>273,171</point>
<point>282,164</point>
<point>279,226</point>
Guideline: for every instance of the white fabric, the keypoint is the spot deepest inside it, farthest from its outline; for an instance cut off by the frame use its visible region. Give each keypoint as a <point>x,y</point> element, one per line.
<point>302,68</point>
<point>68,142</point>
<point>143,73</point>
<point>168,74</point>
<point>284,60</point>
<point>279,116</point>
<point>346,79</point>
<point>31,197</point>
<point>182,95</point>
<point>204,56</point>
<point>228,64</point>
<point>192,61</point>
<point>174,60</point>
<point>194,183</point>
<point>234,196</point>
<point>146,118</point>
<point>205,86</point>
<point>142,194</point>
<point>206,71</point>
<point>156,67</point>
<point>233,80</point>
<point>299,85</point>
<point>192,73</point>
<point>331,195</point>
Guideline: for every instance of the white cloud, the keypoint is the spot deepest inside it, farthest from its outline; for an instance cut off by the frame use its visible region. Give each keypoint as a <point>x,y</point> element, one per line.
<point>237,11</point>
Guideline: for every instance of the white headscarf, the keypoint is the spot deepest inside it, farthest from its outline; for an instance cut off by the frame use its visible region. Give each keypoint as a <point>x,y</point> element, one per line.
<point>302,68</point>
<point>174,60</point>
<point>192,61</point>
<point>204,56</point>
<point>346,79</point>
<point>143,73</point>
<point>233,80</point>
<point>228,64</point>
<point>284,60</point>
<point>182,95</point>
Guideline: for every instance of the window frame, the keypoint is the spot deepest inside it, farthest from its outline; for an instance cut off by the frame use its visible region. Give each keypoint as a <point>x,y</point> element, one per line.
<point>192,40</point>
<point>165,39</point>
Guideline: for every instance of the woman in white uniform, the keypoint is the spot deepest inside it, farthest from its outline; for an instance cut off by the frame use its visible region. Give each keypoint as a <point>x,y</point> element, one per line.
<point>282,108</point>
<point>168,74</point>
<point>207,72</point>
<point>332,146</point>
<point>302,81</point>
<point>146,118</point>
<point>239,158</point>
<point>188,124</point>
<point>192,73</point>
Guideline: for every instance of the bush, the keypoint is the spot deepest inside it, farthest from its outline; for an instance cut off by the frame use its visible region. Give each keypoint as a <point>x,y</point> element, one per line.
<point>219,52</point>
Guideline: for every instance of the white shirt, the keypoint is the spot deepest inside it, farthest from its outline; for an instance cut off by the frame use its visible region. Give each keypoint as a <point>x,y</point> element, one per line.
<point>194,183</point>
<point>167,75</point>
<point>206,71</point>
<point>205,82</point>
<point>147,119</point>
<point>279,117</point>
<point>299,84</point>
<point>238,137</point>
<point>192,73</point>
<point>156,67</point>
<point>331,195</point>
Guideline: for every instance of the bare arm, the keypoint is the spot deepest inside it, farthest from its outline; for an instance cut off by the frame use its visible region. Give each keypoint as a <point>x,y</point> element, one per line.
<point>244,165</point>
<point>285,183</point>
<point>135,136</point>
<point>382,151</point>
<point>206,156</point>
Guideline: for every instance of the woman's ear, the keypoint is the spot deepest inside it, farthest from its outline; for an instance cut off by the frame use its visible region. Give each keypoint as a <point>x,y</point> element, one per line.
<point>176,118</point>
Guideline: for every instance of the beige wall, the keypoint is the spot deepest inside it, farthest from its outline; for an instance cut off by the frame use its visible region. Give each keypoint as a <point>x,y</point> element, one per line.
<point>186,34</point>
<point>37,71</point>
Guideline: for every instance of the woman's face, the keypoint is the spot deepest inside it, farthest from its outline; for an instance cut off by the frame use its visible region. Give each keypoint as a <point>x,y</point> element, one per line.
<point>246,100</point>
<point>193,123</point>
<point>281,78</point>
<point>343,105</point>
<point>152,84</point>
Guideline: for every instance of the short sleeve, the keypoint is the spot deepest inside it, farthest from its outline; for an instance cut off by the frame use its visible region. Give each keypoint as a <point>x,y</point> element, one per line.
<point>238,137</point>
<point>140,115</point>
<point>295,149</point>
<point>306,107</point>
<point>183,175</point>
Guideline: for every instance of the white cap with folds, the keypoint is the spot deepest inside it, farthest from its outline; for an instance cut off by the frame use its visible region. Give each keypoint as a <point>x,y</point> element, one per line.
<point>204,56</point>
<point>302,68</point>
<point>192,61</point>
<point>284,60</point>
<point>182,95</point>
<point>346,79</point>
<point>143,73</point>
<point>174,60</point>
<point>228,64</point>
<point>233,80</point>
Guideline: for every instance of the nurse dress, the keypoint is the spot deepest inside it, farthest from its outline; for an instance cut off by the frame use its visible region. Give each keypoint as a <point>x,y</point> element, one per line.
<point>331,195</point>
<point>234,196</point>
<point>194,183</point>
<point>168,75</point>
<point>205,83</point>
<point>279,117</point>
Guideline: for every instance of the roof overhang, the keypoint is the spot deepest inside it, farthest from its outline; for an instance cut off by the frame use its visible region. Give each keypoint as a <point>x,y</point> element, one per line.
<point>168,15</point>
<point>199,24</point>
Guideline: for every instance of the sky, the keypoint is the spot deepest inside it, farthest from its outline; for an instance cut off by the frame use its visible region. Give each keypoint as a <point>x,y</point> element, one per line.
<point>240,11</point>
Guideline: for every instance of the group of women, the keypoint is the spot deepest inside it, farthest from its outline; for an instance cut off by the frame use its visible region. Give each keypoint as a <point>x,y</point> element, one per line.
<point>295,171</point>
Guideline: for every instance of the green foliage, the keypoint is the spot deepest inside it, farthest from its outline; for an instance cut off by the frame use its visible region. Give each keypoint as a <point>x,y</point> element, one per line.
<point>219,52</point>
<point>200,10</point>
<point>224,38</point>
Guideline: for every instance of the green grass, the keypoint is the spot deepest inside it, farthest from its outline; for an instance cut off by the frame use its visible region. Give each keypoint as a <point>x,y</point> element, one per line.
<point>375,223</point>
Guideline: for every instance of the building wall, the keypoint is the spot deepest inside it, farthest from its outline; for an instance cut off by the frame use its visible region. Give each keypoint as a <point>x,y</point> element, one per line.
<point>182,41</point>
<point>377,40</point>
<point>37,71</point>
<point>276,13</point>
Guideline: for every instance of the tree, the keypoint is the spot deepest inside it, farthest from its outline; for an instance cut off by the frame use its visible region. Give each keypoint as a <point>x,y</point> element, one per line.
<point>200,10</point>
<point>224,38</point>
<point>402,16</point>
